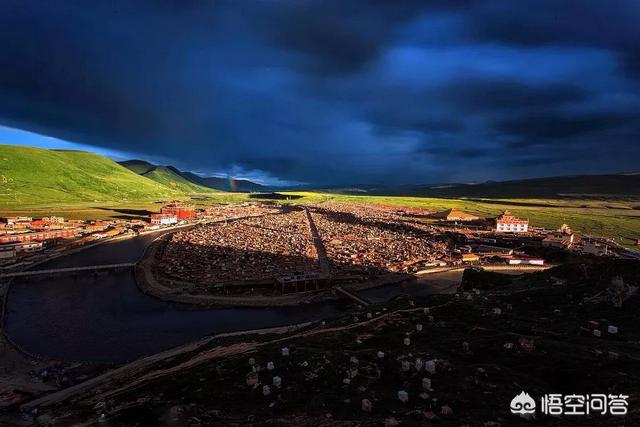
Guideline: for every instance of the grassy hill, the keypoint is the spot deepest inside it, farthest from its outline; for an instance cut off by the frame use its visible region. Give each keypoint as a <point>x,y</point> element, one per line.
<point>30,176</point>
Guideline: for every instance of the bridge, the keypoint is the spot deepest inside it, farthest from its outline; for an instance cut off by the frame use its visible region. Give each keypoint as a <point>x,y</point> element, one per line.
<point>67,270</point>
<point>342,291</point>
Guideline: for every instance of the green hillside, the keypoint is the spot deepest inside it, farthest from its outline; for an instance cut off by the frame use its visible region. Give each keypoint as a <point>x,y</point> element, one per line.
<point>166,176</point>
<point>33,176</point>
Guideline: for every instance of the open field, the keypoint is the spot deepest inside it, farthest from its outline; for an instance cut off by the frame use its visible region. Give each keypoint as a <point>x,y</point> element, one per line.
<point>617,218</point>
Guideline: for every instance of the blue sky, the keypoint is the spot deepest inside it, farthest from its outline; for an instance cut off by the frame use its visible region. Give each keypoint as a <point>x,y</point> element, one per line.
<point>330,92</point>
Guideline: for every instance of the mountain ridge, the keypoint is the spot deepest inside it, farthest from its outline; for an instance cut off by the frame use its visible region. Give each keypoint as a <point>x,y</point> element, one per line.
<point>612,184</point>
<point>144,168</point>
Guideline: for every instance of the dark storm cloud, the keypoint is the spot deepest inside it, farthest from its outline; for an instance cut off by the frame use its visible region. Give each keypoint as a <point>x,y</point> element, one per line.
<point>332,91</point>
<point>343,37</point>
<point>495,95</point>
<point>554,127</point>
<point>600,24</point>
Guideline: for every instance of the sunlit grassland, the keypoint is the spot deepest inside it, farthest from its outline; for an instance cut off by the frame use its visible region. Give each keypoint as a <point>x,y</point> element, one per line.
<point>616,218</point>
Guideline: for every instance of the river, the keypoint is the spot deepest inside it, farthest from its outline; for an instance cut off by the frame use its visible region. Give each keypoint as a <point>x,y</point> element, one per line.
<point>106,318</point>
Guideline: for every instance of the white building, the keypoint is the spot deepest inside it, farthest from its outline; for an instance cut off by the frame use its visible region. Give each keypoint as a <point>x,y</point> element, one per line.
<point>163,219</point>
<point>507,223</point>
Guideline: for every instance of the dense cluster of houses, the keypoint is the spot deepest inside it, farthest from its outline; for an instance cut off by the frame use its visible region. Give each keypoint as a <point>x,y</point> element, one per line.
<point>22,236</point>
<point>252,249</point>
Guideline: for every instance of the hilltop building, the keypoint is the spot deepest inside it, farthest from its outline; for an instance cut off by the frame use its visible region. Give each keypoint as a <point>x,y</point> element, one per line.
<point>454,215</point>
<point>507,223</point>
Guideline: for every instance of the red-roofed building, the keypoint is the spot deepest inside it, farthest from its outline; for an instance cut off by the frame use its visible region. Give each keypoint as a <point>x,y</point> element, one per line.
<point>179,210</point>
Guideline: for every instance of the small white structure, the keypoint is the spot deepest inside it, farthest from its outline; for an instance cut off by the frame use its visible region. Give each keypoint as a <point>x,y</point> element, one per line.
<point>419,364</point>
<point>270,366</point>
<point>612,329</point>
<point>597,333</point>
<point>426,384</point>
<point>407,341</point>
<point>419,327</point>
<point>252,361</point>
<point>381,355</point>
<point>266,390</point>
<point>285,351</point>
<point>277,381</point>
<point>403,396</point>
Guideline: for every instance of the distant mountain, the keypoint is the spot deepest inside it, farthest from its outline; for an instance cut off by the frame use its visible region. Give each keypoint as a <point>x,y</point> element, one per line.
<point>225,184</point>
<point>623,184</point>
<point>33,176</point>
<point>170,174</point>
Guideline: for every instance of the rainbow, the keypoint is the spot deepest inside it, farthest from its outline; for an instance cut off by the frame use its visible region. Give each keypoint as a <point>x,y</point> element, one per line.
<point>233,187</point>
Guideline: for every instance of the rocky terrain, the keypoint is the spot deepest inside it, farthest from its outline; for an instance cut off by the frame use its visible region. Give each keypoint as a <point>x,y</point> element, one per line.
<point>452,359</point>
